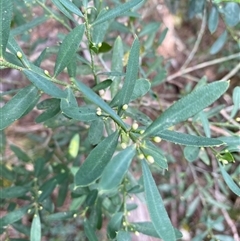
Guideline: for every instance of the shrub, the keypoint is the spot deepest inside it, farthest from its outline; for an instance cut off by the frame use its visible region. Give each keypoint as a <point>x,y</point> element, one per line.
<point>101,133</point>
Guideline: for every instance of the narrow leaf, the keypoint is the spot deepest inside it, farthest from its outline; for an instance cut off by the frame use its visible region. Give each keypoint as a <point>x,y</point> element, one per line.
<point>123,236</point>
<point>126,92</point>
<point>71,7</point>
<point>89,231</point>
<point>5,16</point>
<point>188,106</point>
<point>116,169</point>
<point>94,98</point>
<point>44,84</point>
<point>191,153</point>
<point>35,234</point>
<point>114,224</point>
<point>13,192</point>
<point>219,43</point>
<point>21,155</point>
<point>188,140</point>
<point>117,11</point>
<point>157,211</point>
<point>213,19</point>
<point>95,132</point>
<point>70,100</point>
<point>228,179</point>
<point>96,161</point>
<point>60,216</point>
<point>116,64</point>
<point>14,216</point>
<point>148,229</point>
<point>68,48</point>
<point>59,5</point>
<point>17,106</point>
<point>83,113</point>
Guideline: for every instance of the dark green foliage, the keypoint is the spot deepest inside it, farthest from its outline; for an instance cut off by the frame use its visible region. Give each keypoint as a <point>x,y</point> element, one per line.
<point>100,121</point>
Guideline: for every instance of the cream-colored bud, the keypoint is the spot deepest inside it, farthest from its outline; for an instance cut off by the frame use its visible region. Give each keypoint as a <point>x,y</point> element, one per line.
<point>99,45</point>
<point>101,92</point>
<point>46,72</point>
<point>123,145</point>
<point>142,131</point>
<point>19,54</point>
<point>124,107</point>
<point>157,139</point>
<point>134,126</point>
<point>150,159</point>
<point>141,156</point>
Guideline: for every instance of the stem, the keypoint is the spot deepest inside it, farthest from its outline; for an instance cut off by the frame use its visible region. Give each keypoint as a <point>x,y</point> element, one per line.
<point>89,42</point>
<point>197,43</point>
<point>53,15</point>
<point>202,65</point>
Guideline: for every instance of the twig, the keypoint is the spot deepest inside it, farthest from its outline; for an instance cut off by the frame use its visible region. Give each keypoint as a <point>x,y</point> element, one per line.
<point>198,41</point>
<point>202,65</point>
<point>232,72</point>
<point>231,224</point>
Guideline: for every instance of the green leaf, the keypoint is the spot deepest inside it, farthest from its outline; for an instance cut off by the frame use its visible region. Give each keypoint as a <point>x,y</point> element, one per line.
<point>68,48</point>
<point>191,153</point>
<point>116,169</point>
<point>52,109</point>
<point>44,84</point>
<point>13,192</point>
<point>89,231</point>
<point>123,236</point>
<point>14,216</point>
<point>95,132</point>
<point>94,98</point>
<point>126,92</point>
<point>236,101</point>
<point>29,25</point>
<point>47,188</point>
<point>141,87</point>
<point>149,149</point>
<point>99,31</point>
<point>60,6</point>
<point>188,106</point>
<point>35,234</point>
<point>114,224</point>
<point>102,85</point>
<point>150,28</point>
<point>70,100</point>
<point>96,161</point>
<point>71,7</point>
<point>2,142</point>
<point>213,19</point>
<point>188,140</point>
<point>16,107</point>
<point>74,146</point>
<point>231,184</point>
<point>116,64</point>
<point>117,11</point>
<point>231,13</point>
<point>84,113</point>
<point>60,216</point>
<point>148,229</point>
<point>20,154</point>
<point>5,16</point>
<point>219,43</point>
<point>157,211</point>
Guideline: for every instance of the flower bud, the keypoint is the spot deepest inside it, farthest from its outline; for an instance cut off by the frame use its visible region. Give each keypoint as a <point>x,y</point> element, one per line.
<point>150,159</point>
<point>134,126</point>
<point>157,139</point>
<point>19,54</point>
<point>124,107</point>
